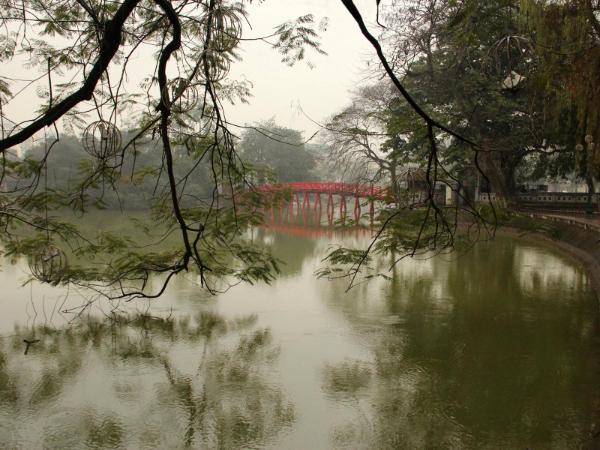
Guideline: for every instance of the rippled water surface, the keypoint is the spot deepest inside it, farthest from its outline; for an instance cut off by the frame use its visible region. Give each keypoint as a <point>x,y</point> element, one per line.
<point>498,348</point>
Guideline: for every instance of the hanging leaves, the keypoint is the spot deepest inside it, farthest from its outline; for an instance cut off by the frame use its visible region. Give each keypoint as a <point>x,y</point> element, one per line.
<point>183,95</point>
<point>225,27</point>
<point>295,37</point>
<point>215,66</point>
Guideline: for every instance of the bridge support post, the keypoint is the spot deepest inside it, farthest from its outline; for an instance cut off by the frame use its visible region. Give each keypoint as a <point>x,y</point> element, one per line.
<point>372,205</point>
<point>356,209</point>
<point>304,216</point>
<point>330,208</point>
<point>317,208</point>
<point>306,201</point>
<point>343,208</point>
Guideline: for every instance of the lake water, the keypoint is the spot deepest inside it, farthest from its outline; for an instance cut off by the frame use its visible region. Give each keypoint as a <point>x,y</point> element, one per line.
<point>497,348</point>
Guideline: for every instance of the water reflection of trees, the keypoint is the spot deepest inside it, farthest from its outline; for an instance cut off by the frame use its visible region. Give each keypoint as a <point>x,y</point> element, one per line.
<point>294,249</point>
<point>291,250</point>
<point>464,357</point>
<point>141,382</point>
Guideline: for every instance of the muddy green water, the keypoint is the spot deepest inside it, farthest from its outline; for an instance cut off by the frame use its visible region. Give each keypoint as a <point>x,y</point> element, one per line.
<point>498,348</point>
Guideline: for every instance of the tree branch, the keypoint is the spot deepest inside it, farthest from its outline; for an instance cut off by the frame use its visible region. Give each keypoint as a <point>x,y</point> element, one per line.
<point>108,48</point>
<point>165,111</point>
<point>349,4</point>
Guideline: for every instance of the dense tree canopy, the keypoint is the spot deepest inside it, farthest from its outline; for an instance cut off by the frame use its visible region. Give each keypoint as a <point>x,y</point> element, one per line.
<point>566,38</point>
<point>516,77</point>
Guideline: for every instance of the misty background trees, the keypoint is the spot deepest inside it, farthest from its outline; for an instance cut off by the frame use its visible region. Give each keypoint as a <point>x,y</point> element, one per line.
<point>271,153</point>
<point>278,154</point>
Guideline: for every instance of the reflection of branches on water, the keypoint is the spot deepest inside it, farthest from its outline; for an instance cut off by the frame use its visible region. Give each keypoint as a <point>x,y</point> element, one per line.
<point>194,404</point>
<point>86,430</point>
<point>20,386</point>
<point>224,403</point>
<point>227,402</point>
<point>348,382</point>
<point>8,388</point>
<point>346,379</point>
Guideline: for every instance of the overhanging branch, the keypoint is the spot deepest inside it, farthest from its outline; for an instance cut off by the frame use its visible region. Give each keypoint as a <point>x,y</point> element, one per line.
<point>108,48</point>
<point>351,7</point>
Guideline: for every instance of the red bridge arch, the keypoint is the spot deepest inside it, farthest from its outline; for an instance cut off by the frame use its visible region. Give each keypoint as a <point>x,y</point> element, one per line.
<point>330,189</point>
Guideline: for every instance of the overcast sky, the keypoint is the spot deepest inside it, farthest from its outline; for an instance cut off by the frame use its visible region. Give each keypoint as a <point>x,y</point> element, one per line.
<point>279,91</point>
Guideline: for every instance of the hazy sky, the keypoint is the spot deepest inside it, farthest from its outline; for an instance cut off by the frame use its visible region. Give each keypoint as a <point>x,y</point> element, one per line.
<point>279,91</point>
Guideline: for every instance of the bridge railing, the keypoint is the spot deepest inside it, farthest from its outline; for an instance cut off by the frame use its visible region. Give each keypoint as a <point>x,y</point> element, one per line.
<point>335,188</point>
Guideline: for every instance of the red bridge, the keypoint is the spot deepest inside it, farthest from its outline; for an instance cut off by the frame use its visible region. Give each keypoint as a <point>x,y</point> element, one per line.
<point>331,189</point>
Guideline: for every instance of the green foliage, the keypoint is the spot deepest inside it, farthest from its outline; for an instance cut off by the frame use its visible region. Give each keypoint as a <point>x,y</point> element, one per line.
<point>256,264</point>
<point>461,83</point>
<point>339,259</point>
<point>74,180</point>
<point>506,74</point>
<point>295,37</point>
<point>566,36</point>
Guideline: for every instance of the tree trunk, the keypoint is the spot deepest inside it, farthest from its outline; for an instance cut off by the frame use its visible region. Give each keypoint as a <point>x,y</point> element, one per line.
<point>501,176</point>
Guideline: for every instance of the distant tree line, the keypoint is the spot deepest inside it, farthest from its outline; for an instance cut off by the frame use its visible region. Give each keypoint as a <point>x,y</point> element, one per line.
<point>272,154</point>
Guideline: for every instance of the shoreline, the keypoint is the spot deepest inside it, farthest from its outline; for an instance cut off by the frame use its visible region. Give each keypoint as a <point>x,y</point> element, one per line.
<point>583,246</point>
